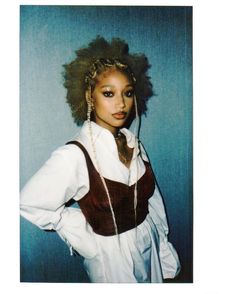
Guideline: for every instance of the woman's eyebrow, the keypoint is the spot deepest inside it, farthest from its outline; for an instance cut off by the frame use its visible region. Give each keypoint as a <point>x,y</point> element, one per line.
<point>107,86</point>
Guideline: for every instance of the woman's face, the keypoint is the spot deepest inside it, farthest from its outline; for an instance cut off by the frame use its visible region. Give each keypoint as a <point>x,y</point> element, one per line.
<point>113,98</point>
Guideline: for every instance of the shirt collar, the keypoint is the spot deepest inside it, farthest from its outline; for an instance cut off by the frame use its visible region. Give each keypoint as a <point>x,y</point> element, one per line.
<point>100,133</point>
<point>130,137</point>
<point>97,131</point>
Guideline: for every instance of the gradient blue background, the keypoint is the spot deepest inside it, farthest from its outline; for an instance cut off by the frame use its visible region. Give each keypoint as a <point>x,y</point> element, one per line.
<point>49,35</point>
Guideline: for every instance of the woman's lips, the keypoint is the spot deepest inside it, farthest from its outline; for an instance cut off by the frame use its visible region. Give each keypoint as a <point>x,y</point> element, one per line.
<point>119,115</point>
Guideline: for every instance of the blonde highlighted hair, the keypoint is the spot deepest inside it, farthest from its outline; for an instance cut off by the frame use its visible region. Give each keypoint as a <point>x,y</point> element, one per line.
<point>94,59</point>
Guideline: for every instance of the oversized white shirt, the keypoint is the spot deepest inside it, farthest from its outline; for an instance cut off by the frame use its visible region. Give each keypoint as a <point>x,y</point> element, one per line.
<point>64,176</point>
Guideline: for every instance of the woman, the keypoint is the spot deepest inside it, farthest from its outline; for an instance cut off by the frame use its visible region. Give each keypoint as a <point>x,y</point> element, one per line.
<point>119,226</point>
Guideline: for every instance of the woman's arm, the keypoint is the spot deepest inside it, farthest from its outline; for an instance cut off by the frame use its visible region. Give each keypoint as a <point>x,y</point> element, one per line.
<point>168,255</point>
<point>62,177</point>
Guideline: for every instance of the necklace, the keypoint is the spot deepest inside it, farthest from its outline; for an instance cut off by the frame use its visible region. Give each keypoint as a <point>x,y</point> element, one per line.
<point>124,152</point>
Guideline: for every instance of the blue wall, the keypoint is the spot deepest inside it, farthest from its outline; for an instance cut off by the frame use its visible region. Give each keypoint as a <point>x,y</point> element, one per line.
<point>49,35</point>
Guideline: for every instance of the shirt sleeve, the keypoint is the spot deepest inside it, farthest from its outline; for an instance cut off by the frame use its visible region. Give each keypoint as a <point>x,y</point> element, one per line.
<point>168,256</point>
<point>64,176</point>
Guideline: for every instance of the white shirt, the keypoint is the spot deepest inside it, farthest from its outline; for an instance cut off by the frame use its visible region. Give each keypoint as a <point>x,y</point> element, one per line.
<point>64,176</point>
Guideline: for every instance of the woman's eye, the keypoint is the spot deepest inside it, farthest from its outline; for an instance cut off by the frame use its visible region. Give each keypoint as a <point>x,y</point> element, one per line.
<point>108,94</point>
<point>129,93</point>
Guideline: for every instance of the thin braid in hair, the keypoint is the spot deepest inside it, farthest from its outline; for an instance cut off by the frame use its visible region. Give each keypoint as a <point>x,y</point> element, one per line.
<point>97,163</point>
<point>136,129</point>
<point>101,64</point>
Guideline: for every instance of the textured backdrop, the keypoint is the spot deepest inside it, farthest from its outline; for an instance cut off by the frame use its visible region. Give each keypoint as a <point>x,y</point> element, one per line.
<point>49,35</point>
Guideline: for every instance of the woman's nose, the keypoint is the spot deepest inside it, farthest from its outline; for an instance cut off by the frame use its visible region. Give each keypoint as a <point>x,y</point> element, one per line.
<point>120,101</point>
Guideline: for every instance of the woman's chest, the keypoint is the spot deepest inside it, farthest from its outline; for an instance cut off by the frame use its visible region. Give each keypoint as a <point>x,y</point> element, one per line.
<point>121,195</point>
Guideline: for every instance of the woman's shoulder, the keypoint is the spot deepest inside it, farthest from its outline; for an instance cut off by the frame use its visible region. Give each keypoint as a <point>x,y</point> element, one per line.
<point>143,152</point>
<point>70,152</point>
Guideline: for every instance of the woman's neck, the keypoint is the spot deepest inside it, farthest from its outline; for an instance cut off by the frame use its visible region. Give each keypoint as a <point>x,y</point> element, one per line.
<point>125,153</point>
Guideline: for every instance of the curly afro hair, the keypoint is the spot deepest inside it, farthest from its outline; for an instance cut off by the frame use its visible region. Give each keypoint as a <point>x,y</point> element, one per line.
<point>94,59</point>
